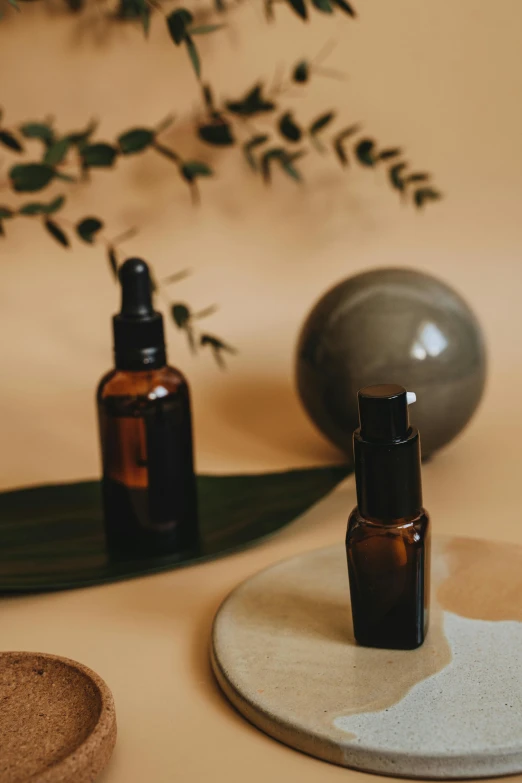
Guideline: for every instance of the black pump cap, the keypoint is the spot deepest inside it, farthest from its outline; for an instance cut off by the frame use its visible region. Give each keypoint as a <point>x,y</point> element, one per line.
<point>387,456</point>
<point>383,412</point>
<point>139,341</point>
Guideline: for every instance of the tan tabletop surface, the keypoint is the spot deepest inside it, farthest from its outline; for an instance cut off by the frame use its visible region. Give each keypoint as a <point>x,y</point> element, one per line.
<point>444,79</point>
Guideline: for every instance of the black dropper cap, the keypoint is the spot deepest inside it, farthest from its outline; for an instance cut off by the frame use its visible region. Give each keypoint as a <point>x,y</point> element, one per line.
<point>139,341</point>
<point>387,455</point>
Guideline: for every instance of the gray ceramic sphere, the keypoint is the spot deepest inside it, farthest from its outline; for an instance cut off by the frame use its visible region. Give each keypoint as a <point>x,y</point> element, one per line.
<point>392,326</point>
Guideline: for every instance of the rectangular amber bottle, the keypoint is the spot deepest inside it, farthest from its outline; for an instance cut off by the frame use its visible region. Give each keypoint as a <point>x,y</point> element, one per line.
<point>389,574</point>
<point>388,535</point>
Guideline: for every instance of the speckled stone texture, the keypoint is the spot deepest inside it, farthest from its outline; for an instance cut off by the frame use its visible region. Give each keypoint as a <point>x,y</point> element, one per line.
<point>284,654</point>
<point>57,720</point>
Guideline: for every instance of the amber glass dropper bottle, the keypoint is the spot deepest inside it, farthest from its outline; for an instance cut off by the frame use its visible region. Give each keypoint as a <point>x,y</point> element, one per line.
<point>148,485</point>
<point>388,537</point>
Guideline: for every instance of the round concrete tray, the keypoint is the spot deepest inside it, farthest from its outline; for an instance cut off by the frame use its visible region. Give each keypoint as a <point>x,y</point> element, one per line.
<point>284,654</point>
<point>57,720</point>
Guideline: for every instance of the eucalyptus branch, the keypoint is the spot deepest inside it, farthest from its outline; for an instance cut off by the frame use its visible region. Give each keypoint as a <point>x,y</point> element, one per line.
<point>282,141</point>
<point>262,150</point>
<point>90,231</point>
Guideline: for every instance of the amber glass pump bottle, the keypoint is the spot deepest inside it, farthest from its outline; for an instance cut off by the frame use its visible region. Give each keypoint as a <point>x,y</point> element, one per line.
<point>388,538</point>
<point>148,485</point>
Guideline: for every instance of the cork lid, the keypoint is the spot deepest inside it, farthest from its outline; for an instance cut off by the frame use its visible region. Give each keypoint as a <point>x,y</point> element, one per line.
<point>57,720</point>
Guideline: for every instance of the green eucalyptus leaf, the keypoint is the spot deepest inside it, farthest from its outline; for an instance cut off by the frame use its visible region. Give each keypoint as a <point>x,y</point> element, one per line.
<point>343,135</point>
<point>193,169</point>
<point>299,7</point>
<point>88,228</point>
<point>301,72</point>
<point>387,154</point>
<point>112,258</point>
<point>56,232</point>
<point>194,56</point>
<point>218,133</point>
<point>255,141</point>
<point>205,312</point>
<point>276,153</point>
<point>57,151</point>
<point>289,128</point>
<point>208,97</point>
<point>135,140</point>
<point>165,123</point>
<point>55,205</point>
<point>284,159</point>
<point>290,169</point>
<point>189,331</point>
<point>417,177</point>
<point>253,103</point>
<point>130,233</point>
<point>98,155</point>
<point>346,7</point>
<point>340,151</point>
<point>321,122</point>
<point>10,141</point>
<point>323,5</point>
<point>176,277</point>
<point>34,208</point>
<point>217,346</point>
<point>395,175</point>
<point>215,342</point>
<point>80,138</point>
<point>38,130</point>
<point>130,9</point>
<point>6,212</point>
<point>364,152</point>
<point>204,29</point>
<point>30,177</point>
<point>295,155</point>
<point>426,194</point>
<point>39,208</point>
<point>180,315</point>
<point>177,23</point>
<point>14,4</point>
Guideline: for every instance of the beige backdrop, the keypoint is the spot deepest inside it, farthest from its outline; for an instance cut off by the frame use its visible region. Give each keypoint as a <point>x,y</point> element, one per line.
<point>441,78</point>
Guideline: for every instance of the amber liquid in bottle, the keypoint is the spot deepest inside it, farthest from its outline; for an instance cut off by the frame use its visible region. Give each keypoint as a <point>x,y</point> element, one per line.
<point>148,485</point>
<point>388,534</point>
<point>389,572</point>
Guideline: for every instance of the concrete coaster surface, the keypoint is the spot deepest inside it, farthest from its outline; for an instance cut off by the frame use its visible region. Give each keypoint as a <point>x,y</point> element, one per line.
<point>284,654</point>
<point>57,720</point>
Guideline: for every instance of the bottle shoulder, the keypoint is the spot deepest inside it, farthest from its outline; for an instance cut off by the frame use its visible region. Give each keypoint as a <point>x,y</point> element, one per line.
<point>152,384</point>
<point>359,527</point>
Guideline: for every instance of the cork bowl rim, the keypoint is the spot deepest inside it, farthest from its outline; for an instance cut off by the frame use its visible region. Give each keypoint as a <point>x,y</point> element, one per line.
<point>89,757</point>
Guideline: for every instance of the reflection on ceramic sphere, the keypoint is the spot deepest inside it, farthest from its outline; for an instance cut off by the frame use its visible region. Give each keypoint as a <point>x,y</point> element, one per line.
<point>392,326</point>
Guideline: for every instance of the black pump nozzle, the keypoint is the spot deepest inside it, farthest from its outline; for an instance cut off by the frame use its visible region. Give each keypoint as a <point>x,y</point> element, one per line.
<point>139,342</point>
<point>383,412</point>
<point>387,455</point>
